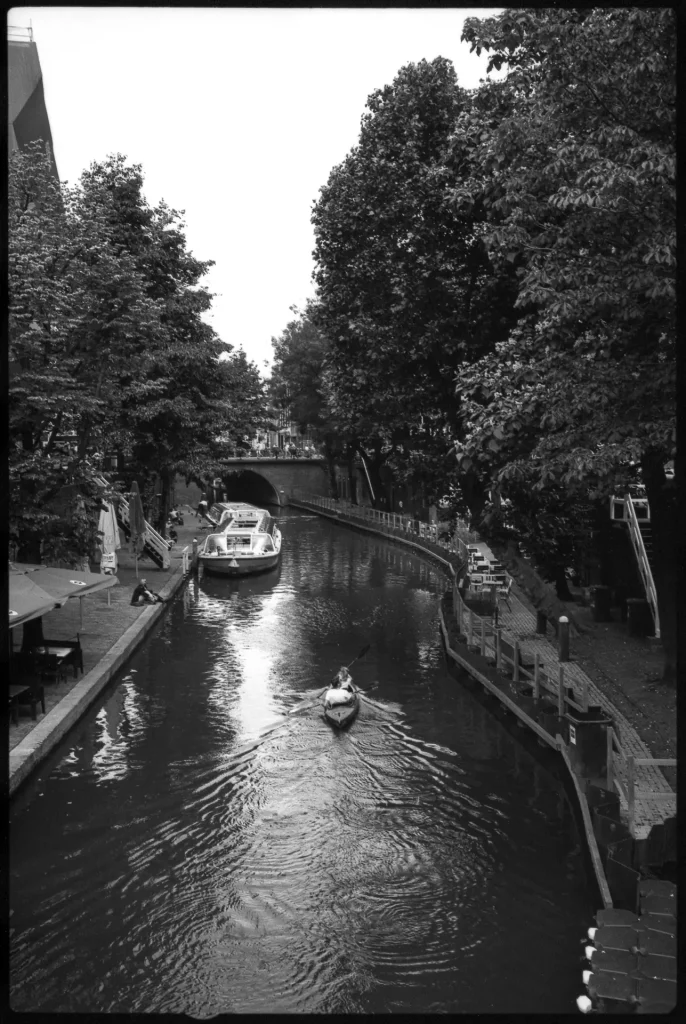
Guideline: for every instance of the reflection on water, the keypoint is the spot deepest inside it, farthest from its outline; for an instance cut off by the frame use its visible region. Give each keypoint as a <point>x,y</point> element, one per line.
<point>198,849</point>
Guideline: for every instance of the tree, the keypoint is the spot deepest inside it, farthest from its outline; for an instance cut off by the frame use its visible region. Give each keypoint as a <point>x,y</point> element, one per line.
<point>107,344</point>
<point>405,288</point>
<point>299,385</point>
<point>188,388</point>
<point>579,185</point>
<point>77,305</point>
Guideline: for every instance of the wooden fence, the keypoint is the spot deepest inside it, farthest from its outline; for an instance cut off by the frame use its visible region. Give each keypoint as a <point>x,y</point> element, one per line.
<point>482,632</point>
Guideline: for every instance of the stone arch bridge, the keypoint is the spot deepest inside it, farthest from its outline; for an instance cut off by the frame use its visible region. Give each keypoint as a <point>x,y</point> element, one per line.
<point>270,480</point>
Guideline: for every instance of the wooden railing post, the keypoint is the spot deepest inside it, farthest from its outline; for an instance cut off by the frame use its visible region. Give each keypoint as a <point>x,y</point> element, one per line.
<point>609,781</point>
<point>470,636</point>
<point>498,649</point>
<point>631,787</point>
<point>584,693</point>
<point>515,667</point>
<point>537,676</point>
<point>483,637</point>
<point>561,692</point>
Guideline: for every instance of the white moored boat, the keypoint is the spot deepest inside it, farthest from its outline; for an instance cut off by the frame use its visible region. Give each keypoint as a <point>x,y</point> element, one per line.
<point>246,540</point>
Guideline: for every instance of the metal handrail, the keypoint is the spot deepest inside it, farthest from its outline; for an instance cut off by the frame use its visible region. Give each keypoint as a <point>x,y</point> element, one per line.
<point>642,558</point>
<point>393,520</point>
<point>630,763</point>
<point>152,537</point>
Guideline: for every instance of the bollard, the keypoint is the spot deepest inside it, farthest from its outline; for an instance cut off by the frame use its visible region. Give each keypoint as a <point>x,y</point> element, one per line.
<point>541,623</point>
<point>537,676</point>
<point>195,555</point>
<point>584,694</point>
<point>498,654</point>
<point>561,693</point>
<point>609,780</point>
<point>563,639</point>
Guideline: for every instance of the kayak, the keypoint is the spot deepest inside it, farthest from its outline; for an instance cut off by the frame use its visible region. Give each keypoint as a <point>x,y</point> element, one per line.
<point>341,715</point>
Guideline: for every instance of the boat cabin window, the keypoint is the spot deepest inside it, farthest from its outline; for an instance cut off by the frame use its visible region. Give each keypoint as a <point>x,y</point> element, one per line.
<point>216,545</point>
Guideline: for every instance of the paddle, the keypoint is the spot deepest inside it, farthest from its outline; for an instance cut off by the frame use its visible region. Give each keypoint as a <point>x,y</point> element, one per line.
<point>360,655</point>
<point>311,703</point>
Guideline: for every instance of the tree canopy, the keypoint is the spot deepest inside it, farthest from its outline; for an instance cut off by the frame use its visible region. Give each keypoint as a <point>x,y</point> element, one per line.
<point>580,177</point>
<point>106,348</point>
<point>405,290</point>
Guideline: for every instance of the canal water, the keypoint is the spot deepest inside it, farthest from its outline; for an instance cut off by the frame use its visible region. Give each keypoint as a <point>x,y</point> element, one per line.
<point>205,844</point>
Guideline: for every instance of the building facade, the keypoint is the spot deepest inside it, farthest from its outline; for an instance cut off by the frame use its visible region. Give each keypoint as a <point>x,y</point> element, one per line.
<point>27,114</point>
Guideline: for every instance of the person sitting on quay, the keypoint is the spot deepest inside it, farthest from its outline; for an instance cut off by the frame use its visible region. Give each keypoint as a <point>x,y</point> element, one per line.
<point>143,595</point>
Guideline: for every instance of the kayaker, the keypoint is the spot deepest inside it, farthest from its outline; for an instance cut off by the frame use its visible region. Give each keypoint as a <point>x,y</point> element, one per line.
<point>341,690</point>
<point>344,679</point>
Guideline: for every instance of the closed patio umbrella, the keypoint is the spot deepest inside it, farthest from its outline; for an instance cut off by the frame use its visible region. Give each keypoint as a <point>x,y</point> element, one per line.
<point>109,539</point>
<point>137,524</point>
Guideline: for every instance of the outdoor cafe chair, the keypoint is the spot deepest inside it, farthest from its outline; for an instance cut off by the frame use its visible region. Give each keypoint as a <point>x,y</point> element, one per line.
<point>504,593</point>
<point>74,658</point>
<point>31,694</point>
<point>50,666</point>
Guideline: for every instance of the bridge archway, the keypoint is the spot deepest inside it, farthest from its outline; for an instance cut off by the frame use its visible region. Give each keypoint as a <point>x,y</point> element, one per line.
<point>247,485</point>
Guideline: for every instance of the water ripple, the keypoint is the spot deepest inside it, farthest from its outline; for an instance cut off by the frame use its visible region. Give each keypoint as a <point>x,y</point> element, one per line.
<point>200,850</point>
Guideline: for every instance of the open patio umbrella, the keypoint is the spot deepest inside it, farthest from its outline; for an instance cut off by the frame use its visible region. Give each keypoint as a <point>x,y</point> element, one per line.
<point>137,524</point>
<point>62,584</point>
<point>28,601</point>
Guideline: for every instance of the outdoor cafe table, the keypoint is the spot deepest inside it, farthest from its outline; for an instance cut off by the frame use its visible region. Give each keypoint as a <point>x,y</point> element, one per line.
<point>59,652</point>
<point>63,654</point>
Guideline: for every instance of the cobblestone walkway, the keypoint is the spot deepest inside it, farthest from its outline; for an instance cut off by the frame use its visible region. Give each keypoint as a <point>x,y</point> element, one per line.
<point>520,624</point>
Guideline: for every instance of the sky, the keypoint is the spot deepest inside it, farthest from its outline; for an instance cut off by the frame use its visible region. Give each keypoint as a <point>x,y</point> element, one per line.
<point>237,116</point>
